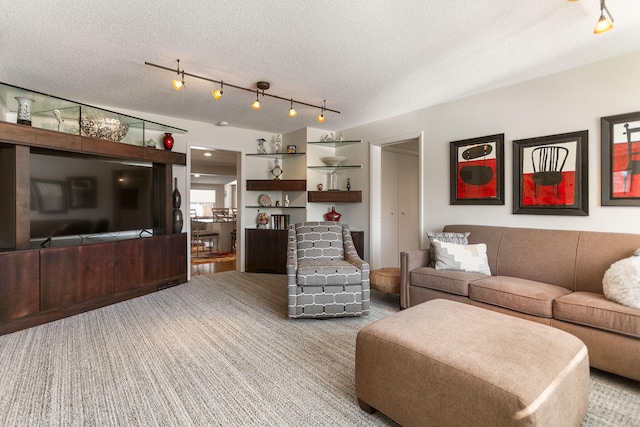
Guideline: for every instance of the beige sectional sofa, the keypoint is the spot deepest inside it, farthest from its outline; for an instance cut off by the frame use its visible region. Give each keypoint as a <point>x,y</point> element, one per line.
<point>548,276</point>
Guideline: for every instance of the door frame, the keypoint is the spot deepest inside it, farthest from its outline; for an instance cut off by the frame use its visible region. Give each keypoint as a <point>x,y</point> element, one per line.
<point>375,193</point>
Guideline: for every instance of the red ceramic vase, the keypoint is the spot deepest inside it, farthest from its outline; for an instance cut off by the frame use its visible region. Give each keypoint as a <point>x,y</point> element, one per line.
<point>167,141</point>
<point>333,215</point>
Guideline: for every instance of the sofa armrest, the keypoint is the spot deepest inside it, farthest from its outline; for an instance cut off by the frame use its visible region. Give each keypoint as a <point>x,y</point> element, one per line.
<point>409,261</point>
<point>292,257</point>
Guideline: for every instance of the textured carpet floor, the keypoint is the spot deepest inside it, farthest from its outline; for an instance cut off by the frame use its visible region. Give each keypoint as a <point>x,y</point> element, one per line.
<point>218,350</point>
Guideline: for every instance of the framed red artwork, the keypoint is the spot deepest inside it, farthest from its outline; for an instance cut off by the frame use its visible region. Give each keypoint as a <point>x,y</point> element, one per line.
<point>551,175</point>
<point>620,139</point>
<point>477,171</point>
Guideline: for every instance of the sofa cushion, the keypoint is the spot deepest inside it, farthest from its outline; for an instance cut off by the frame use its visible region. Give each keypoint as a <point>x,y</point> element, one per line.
<point>450,281</point>
<point>471,258</point>
<point>525,296</point>
<point>459,238</point>
<point>594,310</point>
<point>320,272</point>
<point>621,282</point>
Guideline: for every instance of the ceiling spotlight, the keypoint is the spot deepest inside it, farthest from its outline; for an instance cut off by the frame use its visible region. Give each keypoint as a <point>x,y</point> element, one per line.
<point>292,112</point>
<point>178,84</point>
<point>217,94</point>
<point>321,115</point>
<point>603,23</point>
<point>256,104</point>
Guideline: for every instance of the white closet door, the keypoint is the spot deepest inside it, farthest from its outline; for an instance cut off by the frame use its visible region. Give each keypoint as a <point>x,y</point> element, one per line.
<point>408,229</point>
<point>390,253</point>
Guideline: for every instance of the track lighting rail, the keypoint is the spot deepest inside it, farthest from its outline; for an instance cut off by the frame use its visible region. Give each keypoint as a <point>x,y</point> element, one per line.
<point>227,84</point>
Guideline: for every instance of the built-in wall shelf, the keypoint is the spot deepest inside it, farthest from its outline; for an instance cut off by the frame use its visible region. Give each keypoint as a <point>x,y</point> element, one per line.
<point>276,155</point>
<point>339,167</point>
<point>335,196</point>
<point>276,185</point>
<point>275,207</point>
<point>336,143</point>
<point>50,139</point>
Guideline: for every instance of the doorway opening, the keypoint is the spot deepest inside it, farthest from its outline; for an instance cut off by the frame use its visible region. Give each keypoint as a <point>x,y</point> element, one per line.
<point>392,231</point>
<point>213,209</point>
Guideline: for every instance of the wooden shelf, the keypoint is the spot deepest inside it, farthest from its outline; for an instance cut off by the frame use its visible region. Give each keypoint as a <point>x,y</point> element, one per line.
<point>276,185</point>
<point>335,196</point>
<point>49,139</point>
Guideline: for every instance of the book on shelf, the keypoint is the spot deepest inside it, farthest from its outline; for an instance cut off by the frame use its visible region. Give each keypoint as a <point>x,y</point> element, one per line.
<point>280,221</point>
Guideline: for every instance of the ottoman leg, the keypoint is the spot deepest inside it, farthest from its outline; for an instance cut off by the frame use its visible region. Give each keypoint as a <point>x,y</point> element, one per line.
<point>366,407</point>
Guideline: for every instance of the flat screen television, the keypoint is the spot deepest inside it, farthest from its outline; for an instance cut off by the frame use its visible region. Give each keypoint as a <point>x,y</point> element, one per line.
<point>88,196</point>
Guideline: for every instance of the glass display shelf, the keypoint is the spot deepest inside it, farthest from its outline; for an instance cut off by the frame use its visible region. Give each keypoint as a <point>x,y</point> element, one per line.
<point>325,167</point>
<point>275,155</point>
<point>276,207</point>
<point>62,115</point>
<point>336,143</point>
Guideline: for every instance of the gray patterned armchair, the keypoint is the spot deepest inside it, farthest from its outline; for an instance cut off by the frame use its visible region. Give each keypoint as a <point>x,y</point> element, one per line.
<point>326,277</point>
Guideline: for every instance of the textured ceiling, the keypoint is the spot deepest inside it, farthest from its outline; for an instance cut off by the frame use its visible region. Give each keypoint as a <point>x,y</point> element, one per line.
<point>369,59</point>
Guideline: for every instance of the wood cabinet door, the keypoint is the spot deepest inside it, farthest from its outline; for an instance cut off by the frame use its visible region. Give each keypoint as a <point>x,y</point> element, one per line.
<point>265,252</point>
<point>128,264</point>
<point>75,274</point>
<point>20,284</point>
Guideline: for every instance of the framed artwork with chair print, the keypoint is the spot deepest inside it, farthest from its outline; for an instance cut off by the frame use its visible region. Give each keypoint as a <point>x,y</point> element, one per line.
<point>620,139</point>
<point>550,175</point>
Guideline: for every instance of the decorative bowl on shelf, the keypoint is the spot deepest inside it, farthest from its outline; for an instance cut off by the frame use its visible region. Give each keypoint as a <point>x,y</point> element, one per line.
<point>95,126</point>
<point>333,160</point>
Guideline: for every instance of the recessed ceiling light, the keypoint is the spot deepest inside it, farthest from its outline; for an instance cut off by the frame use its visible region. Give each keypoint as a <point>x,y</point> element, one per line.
<point>223,123</point>
<point>196,175</point>
<point>207,154</point>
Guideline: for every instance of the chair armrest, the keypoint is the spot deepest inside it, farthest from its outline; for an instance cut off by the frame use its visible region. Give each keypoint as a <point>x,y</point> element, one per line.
<point>409,261</point>
<point>292,256</point>
<point>352,257</point>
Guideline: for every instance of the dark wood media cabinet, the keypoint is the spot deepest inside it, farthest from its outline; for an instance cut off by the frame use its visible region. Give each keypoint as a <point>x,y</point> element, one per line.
<point>266,250</point>
<point>45,284</point>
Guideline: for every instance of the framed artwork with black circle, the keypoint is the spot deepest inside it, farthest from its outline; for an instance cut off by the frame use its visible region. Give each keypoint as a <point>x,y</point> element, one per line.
<point>477,171</point>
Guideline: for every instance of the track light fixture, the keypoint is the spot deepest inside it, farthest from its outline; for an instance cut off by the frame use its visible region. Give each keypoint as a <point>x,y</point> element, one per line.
<point>262,86</point>
<point>321,115</point>
<point>256,104</point>
<point>603,23</point>
<point>292,112</point>
<point>178,84</point>
<point>217,93</point>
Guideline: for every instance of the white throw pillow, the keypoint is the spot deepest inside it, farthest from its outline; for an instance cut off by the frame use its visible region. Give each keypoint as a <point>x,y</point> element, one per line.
<point>471,258</point>
<point>445,236</point>
<point>621,282</point>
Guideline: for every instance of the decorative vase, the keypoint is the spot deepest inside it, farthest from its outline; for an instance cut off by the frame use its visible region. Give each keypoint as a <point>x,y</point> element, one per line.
<point>24,110</point>
<point>178,219</point>
<point>333,215</point>
<point>167,141</point>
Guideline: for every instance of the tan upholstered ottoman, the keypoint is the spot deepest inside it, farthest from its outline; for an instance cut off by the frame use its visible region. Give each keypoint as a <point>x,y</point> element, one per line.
<point>443,363</point>
<point>385,280</point>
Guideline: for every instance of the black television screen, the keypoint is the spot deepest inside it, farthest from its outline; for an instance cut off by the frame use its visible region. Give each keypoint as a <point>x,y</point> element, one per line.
<point>77,196</point>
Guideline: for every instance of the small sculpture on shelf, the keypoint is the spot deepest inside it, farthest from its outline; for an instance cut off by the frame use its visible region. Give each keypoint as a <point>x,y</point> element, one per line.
<point>319,187</point>
<point>286,200</point>
<point>277,170</point>
<point>348,184</point>
<point>261,148</point>
<point>277,144</point>
<point>178,219</point>
<point>263,220</point>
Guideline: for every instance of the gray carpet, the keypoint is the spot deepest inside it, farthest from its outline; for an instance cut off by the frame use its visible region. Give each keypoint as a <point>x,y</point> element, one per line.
<point>218,350</point>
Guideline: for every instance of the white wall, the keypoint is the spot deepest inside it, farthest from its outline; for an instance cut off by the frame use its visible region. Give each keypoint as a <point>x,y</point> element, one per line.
<point>569,101</point>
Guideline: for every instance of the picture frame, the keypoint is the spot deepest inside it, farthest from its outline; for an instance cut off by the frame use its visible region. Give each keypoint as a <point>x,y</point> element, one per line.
<point>51,195</point>
<point>477,171</point>
<point>82,192</point>
<point>291,149</point>
<point>620,159</point>
<point>550,175</point>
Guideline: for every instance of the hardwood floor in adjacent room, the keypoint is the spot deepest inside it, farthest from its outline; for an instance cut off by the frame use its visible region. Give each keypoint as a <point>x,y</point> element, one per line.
<point>213,267</point>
